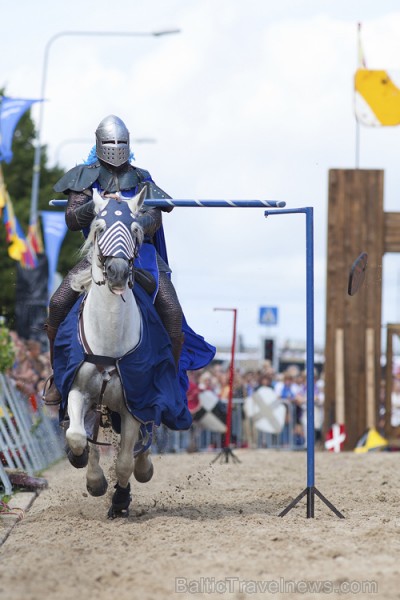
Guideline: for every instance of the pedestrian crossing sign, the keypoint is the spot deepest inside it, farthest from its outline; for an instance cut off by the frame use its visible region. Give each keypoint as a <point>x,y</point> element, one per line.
<point>268,315</point>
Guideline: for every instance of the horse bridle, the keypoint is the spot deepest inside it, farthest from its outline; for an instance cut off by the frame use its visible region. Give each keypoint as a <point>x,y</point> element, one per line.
<point>102,260</point>
<point>127,250</point>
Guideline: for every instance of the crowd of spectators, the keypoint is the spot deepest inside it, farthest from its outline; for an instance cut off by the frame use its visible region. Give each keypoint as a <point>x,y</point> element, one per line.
<point>31,366</point>
<point>290,389</point>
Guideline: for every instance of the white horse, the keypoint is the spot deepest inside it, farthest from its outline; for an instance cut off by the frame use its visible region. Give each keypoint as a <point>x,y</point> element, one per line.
<point>110,327</point>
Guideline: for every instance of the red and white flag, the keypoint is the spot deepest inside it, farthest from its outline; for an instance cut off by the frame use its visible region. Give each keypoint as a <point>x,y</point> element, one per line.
<point>335,438</point>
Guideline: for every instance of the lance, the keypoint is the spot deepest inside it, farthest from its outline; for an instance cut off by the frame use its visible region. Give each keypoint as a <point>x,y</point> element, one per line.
<point>201,203</point>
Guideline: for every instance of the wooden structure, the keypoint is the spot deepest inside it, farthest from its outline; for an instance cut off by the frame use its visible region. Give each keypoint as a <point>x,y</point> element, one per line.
<point>393,329</point>
<point>356,223</point>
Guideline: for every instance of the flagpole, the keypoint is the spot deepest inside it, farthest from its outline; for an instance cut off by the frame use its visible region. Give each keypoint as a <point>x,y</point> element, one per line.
<point>360,64</point>
<point>38,147</point>
<point>357,144</point>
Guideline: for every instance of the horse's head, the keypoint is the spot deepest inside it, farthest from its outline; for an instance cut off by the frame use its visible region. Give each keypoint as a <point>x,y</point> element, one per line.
<point>117,239</point>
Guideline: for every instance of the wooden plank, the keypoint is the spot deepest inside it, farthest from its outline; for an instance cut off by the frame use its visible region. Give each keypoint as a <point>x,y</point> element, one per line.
<point>370,377</point>
<point>392,232</point>
<point>393,329</point>
<point>339,377</point>
<point>355,225</point>
<point>388,379</point>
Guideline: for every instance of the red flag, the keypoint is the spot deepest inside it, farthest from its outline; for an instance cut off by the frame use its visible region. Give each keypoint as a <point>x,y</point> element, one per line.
<point>34,238</point>
<point>335,438</point>
<point>33,402</point>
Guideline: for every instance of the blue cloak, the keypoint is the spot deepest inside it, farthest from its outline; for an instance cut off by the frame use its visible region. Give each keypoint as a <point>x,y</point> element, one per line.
<point>154,394</point>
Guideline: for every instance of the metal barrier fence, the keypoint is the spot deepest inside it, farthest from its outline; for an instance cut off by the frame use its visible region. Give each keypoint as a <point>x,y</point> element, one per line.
<point>29,439</point>
<point>244,434</point>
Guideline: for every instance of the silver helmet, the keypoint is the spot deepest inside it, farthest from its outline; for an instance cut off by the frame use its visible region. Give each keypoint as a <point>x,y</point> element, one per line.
<point>112,141</point>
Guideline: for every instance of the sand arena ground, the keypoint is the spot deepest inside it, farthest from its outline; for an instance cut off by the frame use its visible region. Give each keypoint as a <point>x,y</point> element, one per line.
<point>202,530</point>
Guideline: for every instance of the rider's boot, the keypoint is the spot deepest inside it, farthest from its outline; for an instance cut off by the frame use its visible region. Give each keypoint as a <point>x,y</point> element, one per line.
<point>169,310</point>
<point>177,344</point>
<point>51,395</point>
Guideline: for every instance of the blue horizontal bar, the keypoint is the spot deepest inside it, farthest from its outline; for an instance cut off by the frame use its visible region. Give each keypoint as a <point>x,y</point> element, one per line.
<point>287,211</point>
<point>202,203</point>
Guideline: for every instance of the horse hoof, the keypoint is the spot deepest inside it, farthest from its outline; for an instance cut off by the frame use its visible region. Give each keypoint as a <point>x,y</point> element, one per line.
<point>79,462</point>
<point>122,497</point>
<point>144,477</point>
<point>120,502</point>
<point>115,514</point>
<point>99,490</point>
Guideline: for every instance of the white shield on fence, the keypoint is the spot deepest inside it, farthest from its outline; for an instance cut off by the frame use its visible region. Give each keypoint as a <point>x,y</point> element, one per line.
<point>208,415</point>
<point>265,410</point>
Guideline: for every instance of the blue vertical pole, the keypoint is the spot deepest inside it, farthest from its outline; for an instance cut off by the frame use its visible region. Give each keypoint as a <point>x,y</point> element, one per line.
<point>310,346</point>
<point>310,489</point>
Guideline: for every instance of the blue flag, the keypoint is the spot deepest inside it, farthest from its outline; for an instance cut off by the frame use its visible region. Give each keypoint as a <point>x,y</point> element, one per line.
<point>11,110</point>
<point>54,230</point>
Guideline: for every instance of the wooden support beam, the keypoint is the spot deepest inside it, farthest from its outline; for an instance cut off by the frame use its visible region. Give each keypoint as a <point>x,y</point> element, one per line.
<point>355,224</point>
<point>372,403</point>
<point>339,377</point>
<point>393,329</point>
<point>391,232</point>
<point>388,379</point>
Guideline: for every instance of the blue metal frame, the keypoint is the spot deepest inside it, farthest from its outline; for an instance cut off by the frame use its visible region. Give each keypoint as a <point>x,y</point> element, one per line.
<point>309,333</point>
<point>310,490</point>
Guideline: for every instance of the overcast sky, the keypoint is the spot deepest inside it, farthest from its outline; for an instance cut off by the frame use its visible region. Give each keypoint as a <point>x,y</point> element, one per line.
<point>251,100</point>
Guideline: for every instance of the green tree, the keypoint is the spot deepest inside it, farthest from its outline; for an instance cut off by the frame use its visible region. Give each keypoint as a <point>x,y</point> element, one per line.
<point>18,179</point>
<point>7,350</point>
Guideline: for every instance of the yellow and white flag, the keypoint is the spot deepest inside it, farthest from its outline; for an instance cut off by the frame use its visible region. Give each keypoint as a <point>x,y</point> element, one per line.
<point>377,97</point>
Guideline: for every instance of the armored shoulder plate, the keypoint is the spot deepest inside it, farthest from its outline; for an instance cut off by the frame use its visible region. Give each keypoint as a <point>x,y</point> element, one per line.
<point>78,178</point>
<point>143,174</point>
<point>118,180</point>
<point>82,177</point>
<point>153,191</point>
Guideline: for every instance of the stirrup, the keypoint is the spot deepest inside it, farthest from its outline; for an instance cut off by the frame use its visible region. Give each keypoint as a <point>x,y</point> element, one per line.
<point>50,387</point>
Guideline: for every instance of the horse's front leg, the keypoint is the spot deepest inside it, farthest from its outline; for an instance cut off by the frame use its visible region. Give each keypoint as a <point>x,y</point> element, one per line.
<point>124,466</point>
<point>77,450</point>
<point>129,436</point>
<point>143,470</point>
<point>96,483</point>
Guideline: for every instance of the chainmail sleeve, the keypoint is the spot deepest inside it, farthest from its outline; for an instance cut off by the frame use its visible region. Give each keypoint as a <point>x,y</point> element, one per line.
<point>150,220</point>
<point>80,210</point>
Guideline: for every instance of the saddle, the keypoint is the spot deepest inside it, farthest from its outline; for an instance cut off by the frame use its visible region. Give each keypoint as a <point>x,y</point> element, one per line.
<point>146,280</point>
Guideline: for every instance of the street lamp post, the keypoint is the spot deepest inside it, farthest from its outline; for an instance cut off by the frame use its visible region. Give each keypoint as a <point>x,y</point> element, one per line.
<point>38,149</point>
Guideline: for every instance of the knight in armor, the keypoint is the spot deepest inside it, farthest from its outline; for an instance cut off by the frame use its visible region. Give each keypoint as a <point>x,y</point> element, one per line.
<point>109,170</point>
